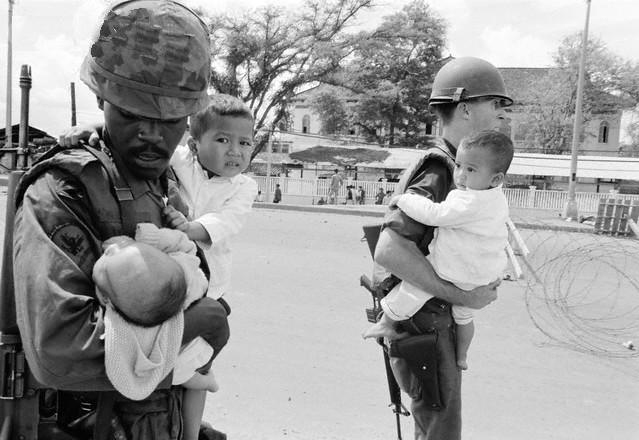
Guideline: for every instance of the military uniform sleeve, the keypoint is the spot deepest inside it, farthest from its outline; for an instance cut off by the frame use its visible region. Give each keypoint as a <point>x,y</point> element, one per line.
<point>60,320</point>
<point>432,181</point>
<point>207,318</point>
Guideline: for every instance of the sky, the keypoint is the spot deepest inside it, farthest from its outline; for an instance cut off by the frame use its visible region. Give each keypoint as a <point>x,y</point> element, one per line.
<point>52,36</point>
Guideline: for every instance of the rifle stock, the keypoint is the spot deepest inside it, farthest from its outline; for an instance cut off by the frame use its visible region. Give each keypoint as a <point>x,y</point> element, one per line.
<point>378,291</point>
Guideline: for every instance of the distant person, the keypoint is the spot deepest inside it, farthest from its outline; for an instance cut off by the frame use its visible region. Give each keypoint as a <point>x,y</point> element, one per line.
<point>387,197</point>
<point>361,195</point>
<point>379,197</point>
<point>321,201</point>
<point>336,183</point>
<point>350,199</point>
<point>277,197</point>
<point>259,197</point>
<point>473,218</point>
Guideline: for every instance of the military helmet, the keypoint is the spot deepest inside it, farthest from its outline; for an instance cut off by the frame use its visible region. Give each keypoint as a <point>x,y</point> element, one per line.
<point>466,78</point>
<point>151,58</point>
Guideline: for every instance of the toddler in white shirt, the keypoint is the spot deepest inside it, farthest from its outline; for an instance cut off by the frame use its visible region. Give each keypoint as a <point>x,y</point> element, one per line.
<point>468,248</point>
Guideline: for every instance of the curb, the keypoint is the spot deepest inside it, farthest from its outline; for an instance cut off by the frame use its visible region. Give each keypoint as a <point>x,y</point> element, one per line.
<point>364,212</point>
<point>372,212</point>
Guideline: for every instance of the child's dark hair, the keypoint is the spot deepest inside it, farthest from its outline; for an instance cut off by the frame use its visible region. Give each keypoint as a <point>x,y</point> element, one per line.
<point>499,145</point>
<point>219,105</point>
<point>163,306</point>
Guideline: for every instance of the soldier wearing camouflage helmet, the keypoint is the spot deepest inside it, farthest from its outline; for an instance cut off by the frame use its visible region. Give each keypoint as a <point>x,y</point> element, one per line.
<point>468,96</point>
<point>149,66</point>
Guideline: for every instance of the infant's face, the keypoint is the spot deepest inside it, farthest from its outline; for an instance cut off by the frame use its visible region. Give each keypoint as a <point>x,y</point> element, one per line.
<point>116,252</point>
<point>474,169</point>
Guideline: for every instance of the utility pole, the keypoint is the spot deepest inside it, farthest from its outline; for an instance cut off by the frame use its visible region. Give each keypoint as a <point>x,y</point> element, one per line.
<point>269,159</point>
<point>571,212</point>
<point>9,142</point>
<point>73,118</point>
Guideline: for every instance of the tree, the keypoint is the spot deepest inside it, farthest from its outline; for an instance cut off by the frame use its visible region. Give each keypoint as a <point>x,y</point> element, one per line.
<point>631,148</point>
<point>546,118</point>
<point>331,111</point>
<point>394,66</point>
<point>263,56</point>
<point>550,103</point>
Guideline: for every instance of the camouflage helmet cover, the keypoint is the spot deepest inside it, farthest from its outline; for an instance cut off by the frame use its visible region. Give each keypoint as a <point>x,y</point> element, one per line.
<point>150,58</point>
<point>467,78</point>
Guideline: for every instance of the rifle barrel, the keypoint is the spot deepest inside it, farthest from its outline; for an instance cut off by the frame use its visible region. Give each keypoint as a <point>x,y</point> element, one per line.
<point>8,322</point>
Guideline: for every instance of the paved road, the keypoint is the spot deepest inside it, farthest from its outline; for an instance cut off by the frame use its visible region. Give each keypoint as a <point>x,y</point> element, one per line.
<point>296,367</point>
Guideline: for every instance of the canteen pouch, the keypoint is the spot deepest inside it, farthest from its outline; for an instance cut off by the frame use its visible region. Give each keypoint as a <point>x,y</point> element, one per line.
<point>418,355</point>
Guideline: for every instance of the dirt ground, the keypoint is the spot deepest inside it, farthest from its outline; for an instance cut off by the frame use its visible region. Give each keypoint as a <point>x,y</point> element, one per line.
<point>296,366</point>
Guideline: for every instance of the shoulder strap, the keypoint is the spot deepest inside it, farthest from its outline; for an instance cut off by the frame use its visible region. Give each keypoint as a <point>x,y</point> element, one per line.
<point>437,149</point>
<point>121,188</point>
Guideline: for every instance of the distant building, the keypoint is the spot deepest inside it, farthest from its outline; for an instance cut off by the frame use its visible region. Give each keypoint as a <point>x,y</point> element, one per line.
<point>601,131</point>
<point>305,121</point>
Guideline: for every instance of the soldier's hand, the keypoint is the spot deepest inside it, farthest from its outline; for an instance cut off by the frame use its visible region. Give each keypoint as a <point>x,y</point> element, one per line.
<point>481,296</point>
<point>77,133</point>
<point>175,219</point>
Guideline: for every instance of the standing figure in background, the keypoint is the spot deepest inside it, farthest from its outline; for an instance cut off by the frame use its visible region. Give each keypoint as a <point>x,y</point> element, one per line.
<point>361,195</point>
<point>336,183</point>
<point>277,197</point>
<point>379,197</point>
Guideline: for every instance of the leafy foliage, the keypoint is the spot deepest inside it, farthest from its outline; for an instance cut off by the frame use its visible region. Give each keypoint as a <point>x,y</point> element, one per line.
<point>394,66</point>
<point>550,104</point>
<point>332,112</point>
<point>264,55</point>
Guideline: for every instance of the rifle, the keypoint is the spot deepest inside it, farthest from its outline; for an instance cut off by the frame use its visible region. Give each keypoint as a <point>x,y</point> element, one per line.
<point>378,290</point>
<point>18,401</point>
<point>27,410</point>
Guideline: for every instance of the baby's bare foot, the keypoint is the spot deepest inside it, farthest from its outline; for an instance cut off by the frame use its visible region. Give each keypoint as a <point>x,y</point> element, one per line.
<point>212,385</point>
<point>462,364</point>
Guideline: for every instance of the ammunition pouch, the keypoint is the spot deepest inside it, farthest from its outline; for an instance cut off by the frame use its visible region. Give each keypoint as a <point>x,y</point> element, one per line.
<point>414,359</point>
<point>414,362</point>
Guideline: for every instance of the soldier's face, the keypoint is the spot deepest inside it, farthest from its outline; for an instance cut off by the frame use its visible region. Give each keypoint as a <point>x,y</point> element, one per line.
<point>486,114</point>
<point>144,146</point>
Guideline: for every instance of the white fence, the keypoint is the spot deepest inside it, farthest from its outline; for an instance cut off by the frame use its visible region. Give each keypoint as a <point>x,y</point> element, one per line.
<point>309,191</point>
